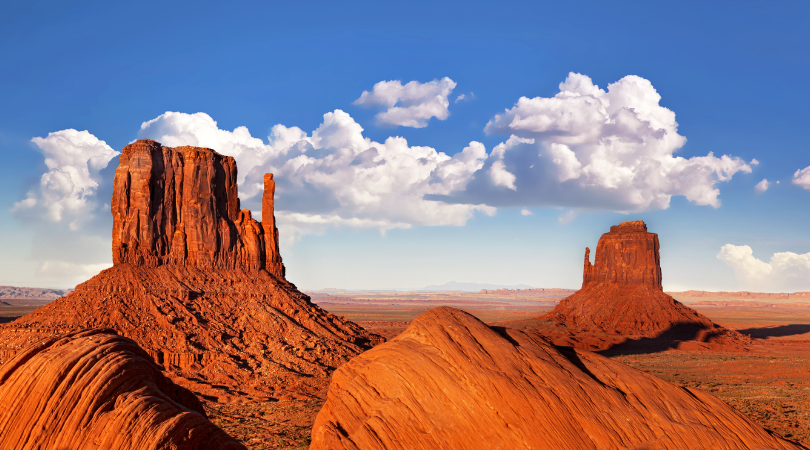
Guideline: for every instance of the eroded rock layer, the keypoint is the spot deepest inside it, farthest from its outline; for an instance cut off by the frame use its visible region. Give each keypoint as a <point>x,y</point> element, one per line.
<point>199,284</point>
<point>621,295</point>
<point>180,206</point>
<point>451,382</point>
<point>97,390</point>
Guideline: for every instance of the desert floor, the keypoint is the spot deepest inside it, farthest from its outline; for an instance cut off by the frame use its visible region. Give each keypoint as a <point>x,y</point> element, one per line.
<point>769,382</point>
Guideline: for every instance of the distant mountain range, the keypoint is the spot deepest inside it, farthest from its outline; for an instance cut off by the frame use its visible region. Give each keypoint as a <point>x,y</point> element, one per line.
<point>13,295</point>
<point>471,287</point>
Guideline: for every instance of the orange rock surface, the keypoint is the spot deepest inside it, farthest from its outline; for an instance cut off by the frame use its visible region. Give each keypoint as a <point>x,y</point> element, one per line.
<point>180,206</point>
<point>199,284</point>
<point>621,295</point>
<point>451,382</point>
<point>97,390</point>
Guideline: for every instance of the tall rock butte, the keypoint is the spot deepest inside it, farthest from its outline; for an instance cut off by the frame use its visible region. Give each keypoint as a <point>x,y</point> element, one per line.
<point>622,296</point>
<point>451,382</point>
<point>180,206</point>
<point>199,284</point>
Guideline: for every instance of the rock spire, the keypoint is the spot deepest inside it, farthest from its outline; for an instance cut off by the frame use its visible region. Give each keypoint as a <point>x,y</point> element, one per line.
<point>627,255</point>
<point>180,206</point>
<point>622,297</point>
<point>199,284</point>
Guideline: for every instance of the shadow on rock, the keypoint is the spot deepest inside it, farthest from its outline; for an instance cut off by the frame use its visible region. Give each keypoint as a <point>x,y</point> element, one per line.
<point>783,330</point>
<point>671,338</point>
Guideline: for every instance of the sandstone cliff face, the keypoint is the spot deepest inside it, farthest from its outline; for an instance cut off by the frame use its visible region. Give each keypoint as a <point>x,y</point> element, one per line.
<point>199,284</point>
<point>627,255</point>
<point>451,382</point>
<point>621,295</point>
<point>180,206</point>
<point>97,390</point>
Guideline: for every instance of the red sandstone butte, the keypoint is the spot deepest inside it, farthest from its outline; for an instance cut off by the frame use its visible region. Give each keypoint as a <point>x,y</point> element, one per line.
<point>199,284</point>
<point>621,295</point>
<point>451,382</point>
<point>97,390</point>
<point>180,206</point>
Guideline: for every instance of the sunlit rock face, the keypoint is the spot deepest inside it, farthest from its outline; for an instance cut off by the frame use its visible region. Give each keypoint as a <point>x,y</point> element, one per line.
<point>180,206</point>
<point>93,390</point>
<point>199,284</point>
<point>621,292</point>
<point>451,382</point>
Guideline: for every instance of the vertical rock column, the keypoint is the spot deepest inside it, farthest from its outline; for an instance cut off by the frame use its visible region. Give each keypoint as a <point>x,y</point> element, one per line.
<point>627,255</point>
<point>274,264</point>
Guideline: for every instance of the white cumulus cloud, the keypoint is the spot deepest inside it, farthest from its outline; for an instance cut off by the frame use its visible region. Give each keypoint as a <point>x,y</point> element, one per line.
<point>762,186</point>
<point>335,176</point>
<point>599,149</point>
<point>802,178</point>
<point>410,105</point>
<point>67,190</point>
<point>785,272</point>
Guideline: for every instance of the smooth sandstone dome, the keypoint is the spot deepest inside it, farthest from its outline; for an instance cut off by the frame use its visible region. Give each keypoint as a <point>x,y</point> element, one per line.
<point>97,390</point>
<point>199,284</point>
<point>451,382</point>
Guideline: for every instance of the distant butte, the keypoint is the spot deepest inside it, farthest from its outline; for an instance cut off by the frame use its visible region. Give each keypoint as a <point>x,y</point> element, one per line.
<point>622,297</point>
<point>451,382</point>
<point>199,284</point>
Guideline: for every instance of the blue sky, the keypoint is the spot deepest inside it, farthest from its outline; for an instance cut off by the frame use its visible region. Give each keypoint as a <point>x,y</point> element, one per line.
<point>731,74</point>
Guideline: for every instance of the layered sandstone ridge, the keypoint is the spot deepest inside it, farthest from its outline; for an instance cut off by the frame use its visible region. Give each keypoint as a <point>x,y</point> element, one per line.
<point>95,390</point>
<point>180,206</point>
<point>451,382</point>
<point>622,295</point>
<point>199,284</point>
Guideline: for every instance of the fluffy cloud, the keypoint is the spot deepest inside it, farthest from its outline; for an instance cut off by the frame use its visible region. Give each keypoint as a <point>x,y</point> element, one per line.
<point>409,105</point>
<point>335,176</point>
<point>67,190</point>
<point>786,271</point>
<point>802,178</point>
<point>590,148</point>
<point>762,186</point>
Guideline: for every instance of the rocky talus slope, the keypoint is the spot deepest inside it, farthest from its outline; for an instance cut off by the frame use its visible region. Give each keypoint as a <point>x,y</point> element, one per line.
<point>97,390</point>
<point>451,382</point>
<point>199,284</point>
